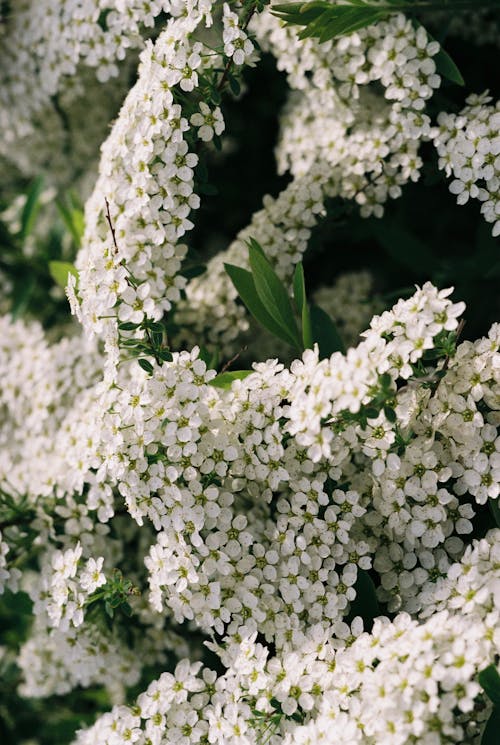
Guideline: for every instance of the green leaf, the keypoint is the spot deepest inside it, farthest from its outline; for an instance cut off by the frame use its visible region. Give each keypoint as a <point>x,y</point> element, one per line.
<point>365,604</point>
<point>245,286</point>
<point>307,334</point>
<point>447,68</point>
<point>225,379</point>
<point>154,326</point>
<point>324,333</point>
<point>59,271</point>
<point>390,414</point>
<point>23,293</point>
<point>299,294</point>
<point>489,680</point>
<point>165,355</point>
<point>128,326</point>
<point>299,287</point>
<point>157,338</point>
<point>252,243</point>
<point>146,365</point>
<point>326,21</point>
<point>273,294</point>
<point>385,381</point>
<point>211,359</point>
<point>31,207</point>
<point>490,734</point>
<point>234,85</point>
<point>495,510</point>
<point>73,218</point>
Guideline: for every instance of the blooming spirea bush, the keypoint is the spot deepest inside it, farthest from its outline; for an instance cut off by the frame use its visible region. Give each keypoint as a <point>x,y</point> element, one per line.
<point>244,500</point>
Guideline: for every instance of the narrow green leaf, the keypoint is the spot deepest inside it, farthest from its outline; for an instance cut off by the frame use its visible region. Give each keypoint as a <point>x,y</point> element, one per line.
<point>490,734</point>
<point>327,21</point>
<point>273,295</point>
<point>31,207</point>
<point>73,219</point>
<point>245,286</point>
<point>495,510</point>
<point>59,271</point>
<point>307,334</point>
<point>390,414</point>
<point>234,85</point>
<point>128,326</point>
<point>324,333</point>
<point>299,287</point>
<point>447,68</point>
<point>165,355</point>
<point>365,603</point>
<point>23,293</point>
<point>299,294</point>
<point>211,359</point>
<point>146,365</point>
<point>348,23</point>
<point>157,337</point>
<point>252,243</point>
<point>385,381</point>
<point>299,13</point>
<point>225,379</point>
<point>489,680</point>
<point>138,343</point>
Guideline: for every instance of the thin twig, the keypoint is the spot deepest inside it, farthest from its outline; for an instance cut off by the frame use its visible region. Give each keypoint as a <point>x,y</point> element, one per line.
<point>233,359</point>
<point>110,223</point>
<point>144,328</point>
<point>230,63</point>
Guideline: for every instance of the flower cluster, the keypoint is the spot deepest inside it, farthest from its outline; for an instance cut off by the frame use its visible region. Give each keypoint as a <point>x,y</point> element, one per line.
<point>237,45</point>
<point>8,576</point>
<point>63,594</point>
<point>40,385</point>
<point>261,511</point>
<point>338,139</point>
<point>45,42</point>
<point>370,140</point>
<point>282,227</point>
<point>141,205</point>
<point>402,681</point>
<point>468,145</point>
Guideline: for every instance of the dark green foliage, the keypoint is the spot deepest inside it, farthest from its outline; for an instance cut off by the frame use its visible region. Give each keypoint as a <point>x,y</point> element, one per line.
<point>225,379</point>
<point>492,730</point>
<point>324,333</point>
<point>267,299</point>
<point>490,682</point>
<point>365,604</point>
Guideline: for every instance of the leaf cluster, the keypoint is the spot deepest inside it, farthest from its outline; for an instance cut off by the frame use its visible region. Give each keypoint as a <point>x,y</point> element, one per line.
<point>489,680</point>
<point>33,262</point>
<point>269,302</point>
<point>150,342</point>
<point>113,597</point>
<point>325,21</point>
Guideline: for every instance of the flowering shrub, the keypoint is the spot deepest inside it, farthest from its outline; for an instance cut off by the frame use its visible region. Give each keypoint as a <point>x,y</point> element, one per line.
<point>249,488</point>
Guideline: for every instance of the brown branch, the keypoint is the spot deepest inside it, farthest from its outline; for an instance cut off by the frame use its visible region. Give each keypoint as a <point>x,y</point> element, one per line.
<point>230,63</point>
<point>233,359</point>
<point>110,223</point>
